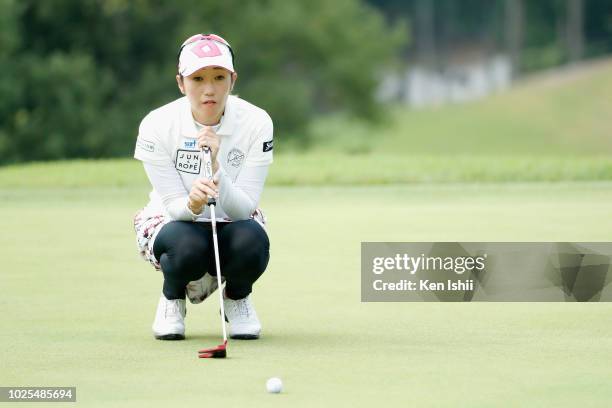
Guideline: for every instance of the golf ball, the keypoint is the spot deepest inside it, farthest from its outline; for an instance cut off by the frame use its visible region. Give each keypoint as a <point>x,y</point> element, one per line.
<point>274,385</point>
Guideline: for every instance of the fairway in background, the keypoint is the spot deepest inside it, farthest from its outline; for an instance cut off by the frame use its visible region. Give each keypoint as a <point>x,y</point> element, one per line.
<point>326,169</point>
<point>565,112</point>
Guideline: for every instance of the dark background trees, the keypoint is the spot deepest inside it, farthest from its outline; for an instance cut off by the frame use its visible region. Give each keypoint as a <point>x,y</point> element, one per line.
<point>537,34</point>
<point>78,75</point>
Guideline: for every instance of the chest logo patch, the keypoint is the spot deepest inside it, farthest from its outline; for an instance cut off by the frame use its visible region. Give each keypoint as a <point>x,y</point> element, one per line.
<point>235,157</point>
<point>188,161</point>
<point>189,143</point>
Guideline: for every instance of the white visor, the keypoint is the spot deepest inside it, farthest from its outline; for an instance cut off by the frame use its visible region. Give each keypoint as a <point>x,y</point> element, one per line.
<point>204,53</point>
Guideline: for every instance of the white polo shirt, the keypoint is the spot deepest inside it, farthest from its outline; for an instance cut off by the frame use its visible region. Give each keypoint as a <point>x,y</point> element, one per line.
<point>167,140</point>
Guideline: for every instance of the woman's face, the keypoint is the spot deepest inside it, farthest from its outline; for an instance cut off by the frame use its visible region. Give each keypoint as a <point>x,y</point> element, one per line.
<point>207,90</point>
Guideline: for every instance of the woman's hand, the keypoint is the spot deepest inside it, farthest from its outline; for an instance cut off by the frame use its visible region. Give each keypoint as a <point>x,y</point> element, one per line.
<point>207,138</point>
<point>201,190</point>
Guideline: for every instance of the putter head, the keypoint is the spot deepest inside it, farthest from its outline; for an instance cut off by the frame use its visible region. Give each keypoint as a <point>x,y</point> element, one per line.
<point>214,352</point>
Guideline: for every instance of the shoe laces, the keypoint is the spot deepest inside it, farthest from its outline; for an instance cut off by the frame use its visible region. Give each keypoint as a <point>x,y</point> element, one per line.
<point>173,307</point>
<point>242,307</point>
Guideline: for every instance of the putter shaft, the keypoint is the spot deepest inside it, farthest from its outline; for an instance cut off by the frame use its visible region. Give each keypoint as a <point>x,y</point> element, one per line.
<point>218,267</point>
<point>221,350</point>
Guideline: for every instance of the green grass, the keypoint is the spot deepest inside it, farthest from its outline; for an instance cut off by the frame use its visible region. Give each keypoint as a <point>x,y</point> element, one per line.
<point>77,304</point>
<point>320,169</point>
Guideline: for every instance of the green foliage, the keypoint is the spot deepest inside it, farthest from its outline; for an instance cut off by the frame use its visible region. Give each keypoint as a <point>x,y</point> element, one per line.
<point>336,54</point>
<point>60,104</point>
<point>78,76</point>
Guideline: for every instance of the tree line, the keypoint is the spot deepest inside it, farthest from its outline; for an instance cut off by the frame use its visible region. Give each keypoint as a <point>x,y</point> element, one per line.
<point>79,75</point>
<point>534,34</point>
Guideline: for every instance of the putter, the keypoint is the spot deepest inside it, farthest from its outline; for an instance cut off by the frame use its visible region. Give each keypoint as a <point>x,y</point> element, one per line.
<point>219,351</point>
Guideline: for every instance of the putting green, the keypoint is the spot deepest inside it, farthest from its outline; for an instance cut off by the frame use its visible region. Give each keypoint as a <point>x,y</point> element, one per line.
<point>77,305</point>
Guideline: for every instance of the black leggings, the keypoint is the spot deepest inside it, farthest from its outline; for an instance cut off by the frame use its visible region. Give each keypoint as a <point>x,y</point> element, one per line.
<point>185,251</point>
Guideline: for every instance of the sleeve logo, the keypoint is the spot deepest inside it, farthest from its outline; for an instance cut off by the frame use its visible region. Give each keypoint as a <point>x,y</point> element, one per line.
<point>145,145</point>
<point>267,146</point>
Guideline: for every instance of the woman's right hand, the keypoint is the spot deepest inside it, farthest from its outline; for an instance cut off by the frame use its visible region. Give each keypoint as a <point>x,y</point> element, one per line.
<point>201,189</point>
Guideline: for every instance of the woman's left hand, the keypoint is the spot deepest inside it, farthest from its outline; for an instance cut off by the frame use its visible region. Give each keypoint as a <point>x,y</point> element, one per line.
<point>208,138</point>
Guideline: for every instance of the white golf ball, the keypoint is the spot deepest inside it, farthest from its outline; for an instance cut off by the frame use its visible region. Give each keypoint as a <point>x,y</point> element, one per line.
<point>274,385</point>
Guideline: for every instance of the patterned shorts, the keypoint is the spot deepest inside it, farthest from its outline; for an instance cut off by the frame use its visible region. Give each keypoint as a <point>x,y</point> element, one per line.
<point>147,227</point>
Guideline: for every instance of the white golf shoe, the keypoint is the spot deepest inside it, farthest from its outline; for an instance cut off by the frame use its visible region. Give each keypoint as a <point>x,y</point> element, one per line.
<point>242,319</point>
<point>169,321</point>
<point>197,291</point>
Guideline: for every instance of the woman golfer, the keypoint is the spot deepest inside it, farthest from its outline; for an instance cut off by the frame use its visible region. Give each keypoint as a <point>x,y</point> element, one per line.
<point>174,229</point>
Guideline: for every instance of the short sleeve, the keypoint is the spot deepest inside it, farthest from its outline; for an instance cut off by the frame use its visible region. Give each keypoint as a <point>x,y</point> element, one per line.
<point>260,152</point>
<point>149,147</point>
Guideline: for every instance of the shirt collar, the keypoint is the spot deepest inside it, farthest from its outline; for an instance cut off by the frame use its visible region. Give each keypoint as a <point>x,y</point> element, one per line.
<point>228,124</point>
<point>229,117</point>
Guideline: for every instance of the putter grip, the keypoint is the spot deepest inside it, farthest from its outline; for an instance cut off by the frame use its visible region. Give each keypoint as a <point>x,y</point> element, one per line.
<point>206,169</point>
